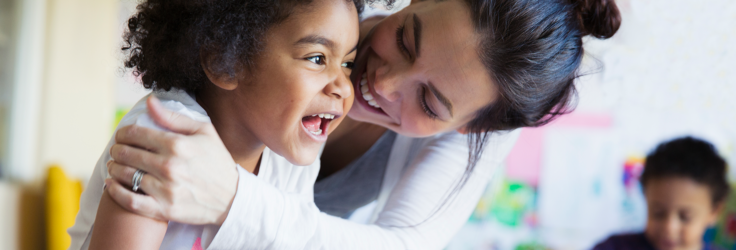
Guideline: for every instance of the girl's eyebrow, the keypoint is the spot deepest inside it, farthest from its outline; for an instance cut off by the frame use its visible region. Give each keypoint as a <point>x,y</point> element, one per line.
<point>317,39</point>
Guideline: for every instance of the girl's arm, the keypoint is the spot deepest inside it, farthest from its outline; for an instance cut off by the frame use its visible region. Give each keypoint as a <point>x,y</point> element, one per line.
<point>117,228</point>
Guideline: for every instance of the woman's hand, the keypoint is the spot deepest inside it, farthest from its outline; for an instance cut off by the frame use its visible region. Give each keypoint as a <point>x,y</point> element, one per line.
<point>191,177</point>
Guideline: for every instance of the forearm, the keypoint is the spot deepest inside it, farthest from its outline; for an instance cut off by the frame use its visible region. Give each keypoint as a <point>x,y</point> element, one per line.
<point>117,228</point>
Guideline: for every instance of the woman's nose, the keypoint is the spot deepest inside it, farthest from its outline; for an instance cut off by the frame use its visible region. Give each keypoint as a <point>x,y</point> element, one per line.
<point>387,84</point>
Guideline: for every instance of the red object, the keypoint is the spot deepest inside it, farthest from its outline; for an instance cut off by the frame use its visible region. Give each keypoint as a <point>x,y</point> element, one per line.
<point>197,244</point>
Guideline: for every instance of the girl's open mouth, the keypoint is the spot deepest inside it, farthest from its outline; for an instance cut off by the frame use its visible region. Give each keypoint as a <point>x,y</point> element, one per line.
<point>317,125</point>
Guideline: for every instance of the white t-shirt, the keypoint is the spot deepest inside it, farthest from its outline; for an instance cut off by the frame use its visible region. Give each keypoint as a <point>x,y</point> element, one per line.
<point>419,174</point>
<point>275,172</point>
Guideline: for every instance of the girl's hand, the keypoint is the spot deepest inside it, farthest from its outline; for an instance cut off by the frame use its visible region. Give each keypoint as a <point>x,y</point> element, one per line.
<point>191,177</point>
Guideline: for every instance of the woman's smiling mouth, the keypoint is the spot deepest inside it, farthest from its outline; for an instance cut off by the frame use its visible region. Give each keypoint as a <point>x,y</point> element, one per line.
<point>366,92</point>
<point>365,97</point>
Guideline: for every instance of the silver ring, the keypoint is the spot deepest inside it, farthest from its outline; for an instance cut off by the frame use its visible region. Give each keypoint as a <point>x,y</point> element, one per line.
<point>137,177</point>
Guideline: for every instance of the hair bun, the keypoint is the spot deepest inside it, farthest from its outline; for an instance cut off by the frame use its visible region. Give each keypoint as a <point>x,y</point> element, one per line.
<point>598,18</point>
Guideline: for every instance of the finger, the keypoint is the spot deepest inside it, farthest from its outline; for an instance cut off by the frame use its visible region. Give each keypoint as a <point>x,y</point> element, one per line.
<point>137,203</point>
<point>170,120</point>
<point>124,175</point>
<point>142,137</point>
<point>137,158</point>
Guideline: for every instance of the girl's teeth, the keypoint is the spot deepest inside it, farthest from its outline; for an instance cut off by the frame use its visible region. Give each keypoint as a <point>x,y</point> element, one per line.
<point>364,89</point>
<point>367,97</point>
<point>318,132</point>
<point>325,116</point>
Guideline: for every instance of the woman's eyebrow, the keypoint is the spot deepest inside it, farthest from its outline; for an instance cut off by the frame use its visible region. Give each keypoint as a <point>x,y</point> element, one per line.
<point>445,102</point>
<point>417,33</point>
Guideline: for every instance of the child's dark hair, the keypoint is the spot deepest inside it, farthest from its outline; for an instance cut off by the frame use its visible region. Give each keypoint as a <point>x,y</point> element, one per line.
<point>167,40</point>
<point>689,158</point>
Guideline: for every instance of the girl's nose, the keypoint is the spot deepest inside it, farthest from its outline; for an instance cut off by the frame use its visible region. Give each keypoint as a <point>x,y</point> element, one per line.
<point>387,84</point>
<point>340,87</point>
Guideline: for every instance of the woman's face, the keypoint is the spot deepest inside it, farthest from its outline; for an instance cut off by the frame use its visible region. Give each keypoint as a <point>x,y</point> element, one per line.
<point>418,71</point>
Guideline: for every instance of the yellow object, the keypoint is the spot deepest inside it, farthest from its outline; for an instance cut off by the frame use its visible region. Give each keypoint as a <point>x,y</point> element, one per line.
<point>62,205</point>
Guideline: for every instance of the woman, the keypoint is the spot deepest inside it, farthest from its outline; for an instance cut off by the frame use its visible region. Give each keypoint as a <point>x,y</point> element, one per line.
<point>453,74</point>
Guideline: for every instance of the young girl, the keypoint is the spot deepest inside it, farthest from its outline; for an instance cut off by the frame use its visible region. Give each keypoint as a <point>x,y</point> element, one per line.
<point>271,75</point>
<point>684,181</point>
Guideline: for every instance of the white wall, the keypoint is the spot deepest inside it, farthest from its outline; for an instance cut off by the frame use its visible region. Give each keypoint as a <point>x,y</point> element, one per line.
<point>63,106</point>
<point>78,105</point>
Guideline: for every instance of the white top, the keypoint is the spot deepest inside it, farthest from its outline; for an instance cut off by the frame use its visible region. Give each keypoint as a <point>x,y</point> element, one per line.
<point>419,175</point>
<point>278,174</point>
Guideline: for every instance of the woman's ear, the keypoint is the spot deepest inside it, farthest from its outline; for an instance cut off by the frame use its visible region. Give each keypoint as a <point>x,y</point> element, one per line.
<point>223,80</point>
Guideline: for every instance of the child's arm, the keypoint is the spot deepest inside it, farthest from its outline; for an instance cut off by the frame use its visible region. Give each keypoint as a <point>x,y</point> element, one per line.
<point>117,228</point>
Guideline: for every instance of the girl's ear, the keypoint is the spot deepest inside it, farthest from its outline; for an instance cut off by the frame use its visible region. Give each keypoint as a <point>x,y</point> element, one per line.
<point>224,81</point>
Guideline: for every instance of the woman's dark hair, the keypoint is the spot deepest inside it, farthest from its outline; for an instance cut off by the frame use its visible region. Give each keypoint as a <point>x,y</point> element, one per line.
<point>167,40</point>
<point>689,158</point>
<point>533,49</point>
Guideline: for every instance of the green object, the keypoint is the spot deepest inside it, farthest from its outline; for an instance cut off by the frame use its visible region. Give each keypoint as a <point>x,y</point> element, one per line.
<point>725,231</point>
<point>530,246</point>
<point>119,114</point>
<point>509,204</point>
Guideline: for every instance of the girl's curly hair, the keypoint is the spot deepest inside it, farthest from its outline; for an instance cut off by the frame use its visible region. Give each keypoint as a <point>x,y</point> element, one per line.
<point>166,40</point>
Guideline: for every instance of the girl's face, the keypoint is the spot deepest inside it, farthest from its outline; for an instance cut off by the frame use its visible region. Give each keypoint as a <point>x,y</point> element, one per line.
<point>680,210</point>
<point>419,73</point>
<point>300,90</point>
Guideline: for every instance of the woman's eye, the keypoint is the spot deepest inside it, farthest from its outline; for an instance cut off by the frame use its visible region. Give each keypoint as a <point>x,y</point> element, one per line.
<point>348,65</point>
<point>320,60</point>
<point>424,105</point>
<point>400,40</point>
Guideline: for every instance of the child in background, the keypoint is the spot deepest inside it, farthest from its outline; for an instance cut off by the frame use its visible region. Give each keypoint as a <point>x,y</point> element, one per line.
<point>684,181</point>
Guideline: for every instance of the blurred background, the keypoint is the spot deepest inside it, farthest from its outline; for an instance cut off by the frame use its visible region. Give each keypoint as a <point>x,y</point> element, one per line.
<point>669,71</point>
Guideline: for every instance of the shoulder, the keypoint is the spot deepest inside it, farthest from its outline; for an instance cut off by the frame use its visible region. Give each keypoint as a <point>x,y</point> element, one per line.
<point>175,100</point>
<point>453,139</point>
<point>455,146</point>
<point>625,241</point>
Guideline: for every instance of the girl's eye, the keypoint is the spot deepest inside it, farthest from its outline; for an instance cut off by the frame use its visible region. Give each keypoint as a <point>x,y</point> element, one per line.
<point>320,60</point>
<point>348,65</point>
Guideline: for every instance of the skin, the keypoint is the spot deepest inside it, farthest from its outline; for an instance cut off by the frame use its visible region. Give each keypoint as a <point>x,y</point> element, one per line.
<point>396,72</point>
<point>303,71</point>
<point>446,61</point>
<point>679,212</point>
